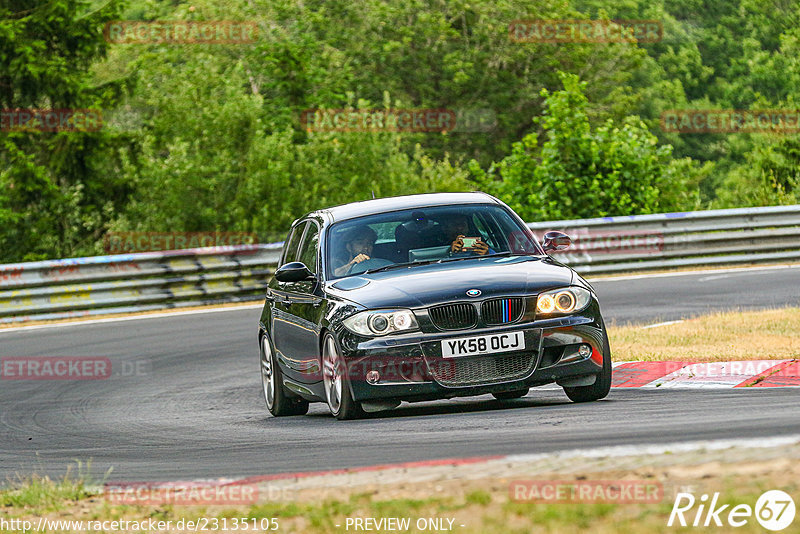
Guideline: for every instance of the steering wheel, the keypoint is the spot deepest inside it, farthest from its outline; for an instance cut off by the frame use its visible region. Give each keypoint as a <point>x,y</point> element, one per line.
<point>372,263</point>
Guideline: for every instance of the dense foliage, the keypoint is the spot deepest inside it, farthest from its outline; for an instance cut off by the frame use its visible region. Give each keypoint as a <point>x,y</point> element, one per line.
<point>577,172</point>
<point>204,137</point>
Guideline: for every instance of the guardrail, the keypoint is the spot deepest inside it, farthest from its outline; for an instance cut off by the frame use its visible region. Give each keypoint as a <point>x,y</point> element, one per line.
<point>122,283</point>
<point>669,240</point>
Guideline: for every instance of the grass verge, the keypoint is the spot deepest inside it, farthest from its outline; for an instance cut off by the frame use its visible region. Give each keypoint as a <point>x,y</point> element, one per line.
<point>724,336</point>
<point>464,505</point>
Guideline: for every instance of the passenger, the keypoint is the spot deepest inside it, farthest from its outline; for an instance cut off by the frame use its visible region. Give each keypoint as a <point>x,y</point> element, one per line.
<point>455,229</point>
<point>358,245</point>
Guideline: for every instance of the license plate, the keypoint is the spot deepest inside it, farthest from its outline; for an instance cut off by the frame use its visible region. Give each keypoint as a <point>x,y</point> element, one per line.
<point>488,344</point>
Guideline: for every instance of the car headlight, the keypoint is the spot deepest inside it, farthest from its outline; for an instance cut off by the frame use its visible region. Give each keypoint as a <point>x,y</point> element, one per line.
<point>381,322</point>
<point>561,301</point>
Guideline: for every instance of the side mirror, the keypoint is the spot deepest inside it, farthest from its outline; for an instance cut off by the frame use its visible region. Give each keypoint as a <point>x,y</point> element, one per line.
<point>554,240</point>
<point>295,271</point>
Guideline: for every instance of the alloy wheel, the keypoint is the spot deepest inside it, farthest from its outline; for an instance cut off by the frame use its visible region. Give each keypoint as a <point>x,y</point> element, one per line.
<point>267,373</point>
<point>332,375</point>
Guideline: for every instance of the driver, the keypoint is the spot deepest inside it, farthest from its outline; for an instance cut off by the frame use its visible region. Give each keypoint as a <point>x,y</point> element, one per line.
<point>455,228</point>
<point>359,245</point>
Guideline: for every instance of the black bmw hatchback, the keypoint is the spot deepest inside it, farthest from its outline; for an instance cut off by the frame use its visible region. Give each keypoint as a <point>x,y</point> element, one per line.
<point>425,297</point>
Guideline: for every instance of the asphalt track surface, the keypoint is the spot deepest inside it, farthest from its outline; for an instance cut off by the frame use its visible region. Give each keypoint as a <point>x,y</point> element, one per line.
<point>184,399</point>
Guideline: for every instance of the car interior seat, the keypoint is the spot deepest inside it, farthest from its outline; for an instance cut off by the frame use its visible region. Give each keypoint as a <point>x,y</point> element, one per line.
<point>420,232</point>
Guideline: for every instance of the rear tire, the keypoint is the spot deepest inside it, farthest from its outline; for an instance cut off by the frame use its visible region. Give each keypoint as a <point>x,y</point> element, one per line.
<point>337,383</point>
<point>278,403</point>
<point>508,395</point>
<point>601,386</point>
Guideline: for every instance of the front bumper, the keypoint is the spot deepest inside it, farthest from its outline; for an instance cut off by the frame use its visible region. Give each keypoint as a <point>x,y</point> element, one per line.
<point>411,367</point>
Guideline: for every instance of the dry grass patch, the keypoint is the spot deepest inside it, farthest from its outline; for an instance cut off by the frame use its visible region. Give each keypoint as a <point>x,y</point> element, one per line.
<point>726,336</point>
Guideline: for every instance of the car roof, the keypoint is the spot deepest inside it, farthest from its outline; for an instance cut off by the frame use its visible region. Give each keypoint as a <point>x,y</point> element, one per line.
<point>383,205</point>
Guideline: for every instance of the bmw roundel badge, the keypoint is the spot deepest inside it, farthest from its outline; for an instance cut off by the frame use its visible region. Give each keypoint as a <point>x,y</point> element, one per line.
<point>474,293</point>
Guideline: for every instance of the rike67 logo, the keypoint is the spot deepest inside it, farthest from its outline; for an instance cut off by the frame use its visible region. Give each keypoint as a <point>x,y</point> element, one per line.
<point>774,511</point>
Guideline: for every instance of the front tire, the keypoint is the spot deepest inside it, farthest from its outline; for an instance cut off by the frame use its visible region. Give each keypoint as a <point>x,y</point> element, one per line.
<point>336,382</point>
<point>601,386</point>
<point>278,403</point>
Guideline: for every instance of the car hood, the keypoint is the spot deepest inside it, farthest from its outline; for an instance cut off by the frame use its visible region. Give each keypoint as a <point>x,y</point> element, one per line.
<point>425,285</point>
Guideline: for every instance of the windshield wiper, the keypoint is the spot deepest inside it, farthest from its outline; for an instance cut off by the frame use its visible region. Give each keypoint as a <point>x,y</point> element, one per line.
<point>495,255</point>
<point>442,260</point>
<point>399,265</point>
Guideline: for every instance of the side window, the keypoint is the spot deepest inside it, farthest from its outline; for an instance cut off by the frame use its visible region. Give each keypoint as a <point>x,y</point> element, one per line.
<point>310,246</point>
<point>385,231</point>
<point>290,248</point>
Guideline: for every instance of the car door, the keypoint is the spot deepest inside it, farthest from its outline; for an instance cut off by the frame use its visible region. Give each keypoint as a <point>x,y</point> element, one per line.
<point>281,328</point>
<point>301,306</point>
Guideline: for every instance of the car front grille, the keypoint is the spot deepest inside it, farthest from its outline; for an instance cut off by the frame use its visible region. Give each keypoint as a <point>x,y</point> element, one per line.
<point>463,315</point>
<point>482,370</point>
<point>502,311</point>
<point>454,316</point>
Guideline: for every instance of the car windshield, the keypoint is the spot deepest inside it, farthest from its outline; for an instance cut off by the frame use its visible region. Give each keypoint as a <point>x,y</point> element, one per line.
<point>424,235</point>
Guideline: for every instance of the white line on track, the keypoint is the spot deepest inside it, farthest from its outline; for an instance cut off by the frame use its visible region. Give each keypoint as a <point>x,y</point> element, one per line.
<point>719,276</point>
<point>131,318</point>
<point>638,450</point>
<point>689,273</point>
<point>654,325</point>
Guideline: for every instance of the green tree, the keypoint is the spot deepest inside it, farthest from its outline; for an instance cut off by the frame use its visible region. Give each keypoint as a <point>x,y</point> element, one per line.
<point>204,137</point>
<point>576,171</point>
<point>57,189</point>
<point>770,176</point>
